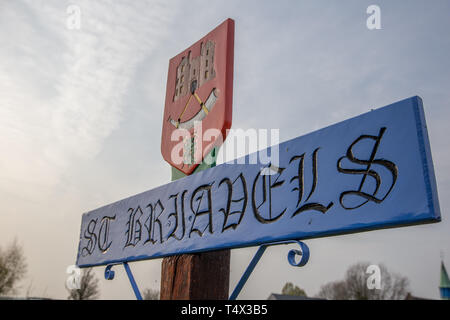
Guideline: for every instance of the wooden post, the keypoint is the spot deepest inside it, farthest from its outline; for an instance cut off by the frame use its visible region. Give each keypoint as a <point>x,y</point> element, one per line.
<point>202,275</point>
<point>196,276</point>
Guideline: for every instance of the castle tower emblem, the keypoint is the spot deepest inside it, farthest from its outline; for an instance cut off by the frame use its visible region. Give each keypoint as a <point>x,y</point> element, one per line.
<point>200,68</point>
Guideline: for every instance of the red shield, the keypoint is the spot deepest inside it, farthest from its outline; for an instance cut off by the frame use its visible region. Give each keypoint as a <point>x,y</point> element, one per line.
<point>199,96</point>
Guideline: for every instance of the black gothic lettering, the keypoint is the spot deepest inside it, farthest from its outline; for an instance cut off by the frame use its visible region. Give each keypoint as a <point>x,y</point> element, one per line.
<point>226,211</point>
<point>299,177</point>
<point>367,172</point>
<point>267,193</point>
<point>313,207</point>
<point>103,233</point>
<point>202,190</point>
<point>134,231</point>
<point>175,214</point>
<point>90,235</point>
<point>152,219</point>
<point>300,188</point>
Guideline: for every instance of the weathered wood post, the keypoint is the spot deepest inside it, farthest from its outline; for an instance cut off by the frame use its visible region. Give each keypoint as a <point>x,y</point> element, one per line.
<point>196,276</point>
<point>199,93</point>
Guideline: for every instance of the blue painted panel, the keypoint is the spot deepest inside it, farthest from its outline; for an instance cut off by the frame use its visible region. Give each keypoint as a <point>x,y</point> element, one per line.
<point>370,172</point>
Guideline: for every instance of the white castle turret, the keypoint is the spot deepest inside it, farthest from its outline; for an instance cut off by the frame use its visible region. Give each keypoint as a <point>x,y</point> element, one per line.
<point>200,68</point>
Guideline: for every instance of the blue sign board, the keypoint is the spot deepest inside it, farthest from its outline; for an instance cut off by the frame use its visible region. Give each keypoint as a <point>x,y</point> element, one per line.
<point>371,172</point>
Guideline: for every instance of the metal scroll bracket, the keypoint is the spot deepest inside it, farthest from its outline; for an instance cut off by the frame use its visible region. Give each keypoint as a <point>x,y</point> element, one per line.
<point>304,253</point>
<point>109,275</point>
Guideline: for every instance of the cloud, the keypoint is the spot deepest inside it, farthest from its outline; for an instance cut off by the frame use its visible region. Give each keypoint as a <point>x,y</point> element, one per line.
<point>62,89</point>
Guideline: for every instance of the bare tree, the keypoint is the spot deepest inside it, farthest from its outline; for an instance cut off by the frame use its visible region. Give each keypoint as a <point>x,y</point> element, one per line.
<point>333,291</point>
<point>150,294</point>
<point>88,287</point>
<point>291,290</point>
<point>13,267</point>
<point>355,287</point>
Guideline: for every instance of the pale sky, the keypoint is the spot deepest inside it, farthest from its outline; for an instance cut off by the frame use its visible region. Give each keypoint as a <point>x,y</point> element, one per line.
<point>81,115</point>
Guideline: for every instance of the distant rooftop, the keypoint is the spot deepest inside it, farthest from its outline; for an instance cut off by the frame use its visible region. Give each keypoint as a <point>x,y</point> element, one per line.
<point>23,298</point>
<point>275,296</point>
